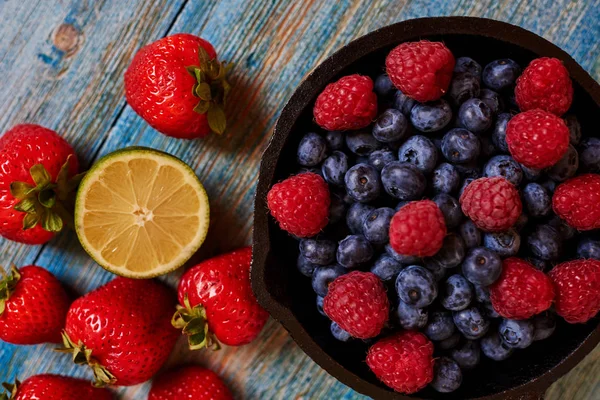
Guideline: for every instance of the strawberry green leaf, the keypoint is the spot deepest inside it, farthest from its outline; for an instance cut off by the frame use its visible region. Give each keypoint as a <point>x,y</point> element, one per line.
<point>203,91</point>
<point>26,205</point>
<point>202,107</point>
<point>40,176</point>
<point>203,55</point>
<point>8,283</point>
<point>47,198</point>
<point>51,221</point>
<point>21,190</point>
<point>192,70</point>
<point>30,220</point>
<point>216,118</point>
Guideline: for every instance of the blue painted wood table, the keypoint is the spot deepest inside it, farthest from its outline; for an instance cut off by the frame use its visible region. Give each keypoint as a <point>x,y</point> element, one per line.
<point>62,65</point>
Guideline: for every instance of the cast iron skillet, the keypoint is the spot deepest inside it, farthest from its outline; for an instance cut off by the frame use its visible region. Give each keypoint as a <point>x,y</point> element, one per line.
<point>287,295</point>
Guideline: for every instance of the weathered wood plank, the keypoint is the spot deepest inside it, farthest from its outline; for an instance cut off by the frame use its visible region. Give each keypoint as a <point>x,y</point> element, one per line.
<point>274,44</point>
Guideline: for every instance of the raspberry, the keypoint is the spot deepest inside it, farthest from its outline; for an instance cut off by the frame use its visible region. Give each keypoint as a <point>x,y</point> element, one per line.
<point>577,286</point>
<point>577,201</point>
<point>537,139</point>
<point>545,84</point>
<point>403,361</point>
<point>522,291</point>
<point>421,70</point>
<point>349,103</point>
<point>300,204</point>
<point>358,303</point>
<point>493,204</point>
<point>418,229</point>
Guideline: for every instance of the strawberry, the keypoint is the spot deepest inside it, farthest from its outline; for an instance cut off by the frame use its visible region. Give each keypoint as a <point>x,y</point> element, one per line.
<point>189,383</point>
<point>33,306</point>
<point>178,86</point>
<point>37,176</point>
<point>216,300</point>
<point>122,330</point>
<point>54,387</point>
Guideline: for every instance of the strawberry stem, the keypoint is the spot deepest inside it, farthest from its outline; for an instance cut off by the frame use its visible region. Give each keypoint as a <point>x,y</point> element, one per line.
<point>193,323</point>
<point>7,285</point>
<point>11,390</point>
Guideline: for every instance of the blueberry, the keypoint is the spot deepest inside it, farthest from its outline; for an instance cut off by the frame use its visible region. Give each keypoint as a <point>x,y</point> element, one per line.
<point>475,115</point>
<point>464,86</point>
<point>516,334</point>
<point>530,174</point>
<point>334,168</point>
<point>574,129</point>
<point>449,343</point>
<point>390,126</point>
<point>493,100</point>
<point>377,225</point>
<point>379,158</point>
<point>537,263</point>
<point>451,254</point>
<point>468,355</point>
<point>440,325</point>
<point>537,200</point>
<point>545,243</point>
<point>403,103</point>
<point>464,186</point>
<point>361,142</point>
<point>470,170</point>
<point>590,154</point>
<point>305,267</point>
<point>457,293</point>
<point>416,286</point>
<point>445,179</point>
<point>323,276</point>
<point>566,167</point>
<point>482,266</point>
<point>313,170</point>
<point>355,216</point>
<point>549,184</point>
<point>504,166</point>
<point>339,333</point>
<point>450,207</point>
<point>402,259</point>
<point>410,317</point>
<point>400,205</point>
<point>470,235</point>
<point>460,146</point>
<point>320,301</point>
<point>565,230</point>
<point>499,132</point>
<point>501,74</point>
<point>383,86</point>
<point>438,271</point>
<point>467,64</point>
<point>337,209</point>
<point>488,149</point>
<point>363,183</point>
<point>320,252</point>
<point>494,348</point>
<point>419,151</point>
<point>506,243</point>
<point>482,294</point>
<point>335,140</point>
<point>311,150</point>
<point>432,116</point>
<point>588,248</point>
<point>472,322</point>
<point>447,376</point>
<point>489,311</point>
<point>403,181</point>
<point>543,326</point>
<point>521,222</point>
<point>386,268</point>
<point>354,251</point>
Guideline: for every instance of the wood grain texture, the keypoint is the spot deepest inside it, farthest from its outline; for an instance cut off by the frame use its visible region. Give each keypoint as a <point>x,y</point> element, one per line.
<point>62,64</point>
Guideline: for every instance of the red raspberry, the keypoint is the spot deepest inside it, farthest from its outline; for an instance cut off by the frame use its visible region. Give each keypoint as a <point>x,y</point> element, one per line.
<point>300,204</point>
<point>403,361</point>
<point>358,303</point>
<point>522,291</point>
<point>349,103</point>
<point>577,201</point>
<point>493,204</point>
<point>537,139</point>
<point>577,286</point>
<point>418,229</point>
<point>545,84</point>
<point>421,70</point>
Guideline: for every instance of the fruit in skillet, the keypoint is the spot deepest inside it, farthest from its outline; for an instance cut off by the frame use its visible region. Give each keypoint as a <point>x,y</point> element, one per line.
<point>37,177</point>
<point>179,87</point>
<point>141,212</point>
<point>216,302</point>
<point>190,382</point>
<point>122,331</point>
<point>33,306</point>
<point>54,387</point>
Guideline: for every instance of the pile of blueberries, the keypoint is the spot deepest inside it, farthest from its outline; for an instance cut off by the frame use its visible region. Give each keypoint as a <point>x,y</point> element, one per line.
<point>433,150</point>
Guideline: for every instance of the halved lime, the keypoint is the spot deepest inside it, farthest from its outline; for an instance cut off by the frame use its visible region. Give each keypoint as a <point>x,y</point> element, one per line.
<point>140,212</point>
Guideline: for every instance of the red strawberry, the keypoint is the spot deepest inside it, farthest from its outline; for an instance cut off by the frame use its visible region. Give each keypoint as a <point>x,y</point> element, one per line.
<point>122,330</point>
<point>577,286</point>
<point>33,306</point>
<point>217,301</point>
<point>34,183</point>
<point>577,201</point>
<point>55,387</point>
<point>178,86</point>
<point>189,383</point>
